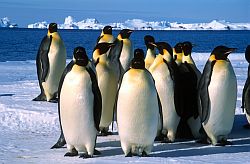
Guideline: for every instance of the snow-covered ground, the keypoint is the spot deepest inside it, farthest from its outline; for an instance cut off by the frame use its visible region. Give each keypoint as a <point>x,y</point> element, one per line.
<point>28,129</point>
<point>139,24</point>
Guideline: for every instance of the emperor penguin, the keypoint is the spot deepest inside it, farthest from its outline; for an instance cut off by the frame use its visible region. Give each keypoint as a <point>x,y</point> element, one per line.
<point>246,91</point>
<point>107,82</point>
<point>164,71</point>
<point>126,53</point>
<point>80,106</point>
<point>137,109</point>
<point>217,94</point>
<point>150,54</point>
<point>50,62</point>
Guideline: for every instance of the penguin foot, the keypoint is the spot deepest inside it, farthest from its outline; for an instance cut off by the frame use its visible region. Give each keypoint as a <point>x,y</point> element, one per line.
<point>159,138</point>
<point>203,141</point>
<point>97,152</point>
<point>165,140</point>
<point>223,143</point>
<point>85,156</point>
<point>55,100</point>
<point>40,97</point>
<point>104,133</point>
<point>129,155</point>
<point>246,126</point>
<point>144,154</point>
<point>71,154</point>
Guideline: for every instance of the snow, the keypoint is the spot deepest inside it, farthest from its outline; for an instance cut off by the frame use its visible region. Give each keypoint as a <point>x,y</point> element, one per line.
<point>28,129</point>
<point>139,24</point>
<point>5,22</point>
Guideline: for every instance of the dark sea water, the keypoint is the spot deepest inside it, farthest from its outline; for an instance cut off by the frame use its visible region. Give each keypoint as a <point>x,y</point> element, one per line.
<point>22,44</point>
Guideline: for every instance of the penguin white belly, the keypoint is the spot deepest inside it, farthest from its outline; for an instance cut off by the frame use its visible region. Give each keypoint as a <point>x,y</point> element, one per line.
<point>137,112</point>
<point>149,59</point>
<point>126,57</point>
<point>57,62</point>
<point>107,82</point>
<point>222,93</point>
<point>165,88</point>
<point>76,111</point>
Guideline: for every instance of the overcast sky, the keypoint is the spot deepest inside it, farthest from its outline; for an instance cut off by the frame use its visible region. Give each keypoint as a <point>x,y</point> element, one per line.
<point>24,12</point>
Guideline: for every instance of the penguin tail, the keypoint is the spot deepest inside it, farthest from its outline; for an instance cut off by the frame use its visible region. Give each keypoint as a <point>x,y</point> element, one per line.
<point>60,143</point>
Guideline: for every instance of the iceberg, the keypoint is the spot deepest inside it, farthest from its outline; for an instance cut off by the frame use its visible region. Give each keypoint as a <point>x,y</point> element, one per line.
<point>139,24</point>
<point>5,22</point>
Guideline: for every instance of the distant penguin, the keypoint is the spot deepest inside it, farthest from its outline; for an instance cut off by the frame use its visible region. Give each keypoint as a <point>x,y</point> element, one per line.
<point>217,94</point>
<point>80,106</point>
<point>126,54</point>
<point>150,55</point>
<point>246,91</point>
<point>50,62</point>
<point>107,82</point>
<point>190,124</point>
<point>137,109</point>
<point>164,71</point>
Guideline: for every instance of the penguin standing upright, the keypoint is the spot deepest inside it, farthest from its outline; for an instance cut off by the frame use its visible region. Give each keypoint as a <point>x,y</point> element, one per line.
<point>246,91</point>
<point>50,62</point>
<point>137,109</point>
<point>80,106</point>
<point>150,55</point>
<point>107,82</point>
<point>164,71</point>
<point>126,54</point>
<point>190,124</point>
<point>217,94</point>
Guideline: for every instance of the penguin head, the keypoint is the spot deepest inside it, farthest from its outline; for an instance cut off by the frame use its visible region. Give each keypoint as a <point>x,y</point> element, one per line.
<point>221,52</point>
<point>80,56</point>
<point>103,47</point>
<point>164,48</point>
<point>149,39</point>
<point>138,60</point>
<point>187,48</point>
<point>247,54</point>
<point>125,33</point>
<point>107,30</point>
<point>52,27</point>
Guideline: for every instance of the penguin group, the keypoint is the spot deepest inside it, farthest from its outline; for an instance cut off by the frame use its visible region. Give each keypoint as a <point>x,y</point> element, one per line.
<point>160,96</point>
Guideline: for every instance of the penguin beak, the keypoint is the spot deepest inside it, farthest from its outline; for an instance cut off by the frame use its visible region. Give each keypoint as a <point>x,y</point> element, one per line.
<point>130,31</point>
<point>230,50</point>
<point>153,44</point>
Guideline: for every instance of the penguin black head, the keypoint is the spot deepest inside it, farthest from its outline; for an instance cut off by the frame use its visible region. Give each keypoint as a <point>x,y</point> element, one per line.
<point>138,60</point>
<point>107,30</point>
<point>178,47</point>
<point>247,54</point>
<point>81,56</point>
<point>103,47</point>
<point>221,52</point>
<point>187,48</point>
<point>149,39</point>
<point>164,46</point>
<point>52,27</point>
<point>125,33</point>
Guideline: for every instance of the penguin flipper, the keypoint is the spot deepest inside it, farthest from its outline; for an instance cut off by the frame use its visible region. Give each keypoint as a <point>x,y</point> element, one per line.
<point>115,51</point>
<point>43,56</point>
<point>203,96</point>
<point>97,98</point>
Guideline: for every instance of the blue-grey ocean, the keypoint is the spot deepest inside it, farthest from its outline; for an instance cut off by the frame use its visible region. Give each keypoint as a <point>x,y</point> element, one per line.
<point>21,44</point>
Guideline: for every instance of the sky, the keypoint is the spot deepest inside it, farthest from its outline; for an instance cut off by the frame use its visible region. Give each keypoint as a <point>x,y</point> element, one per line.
<point>26,12</point>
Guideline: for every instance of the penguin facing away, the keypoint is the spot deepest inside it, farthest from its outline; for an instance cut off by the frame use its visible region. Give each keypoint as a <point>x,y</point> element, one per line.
<point>138,90</point>
<point>150,55</point>
<point>107,82</point>
<point>164,71</point>
<point>50,62</point>
<point>80,106</point>
<point>217,94</point>
<point>246,91</point>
